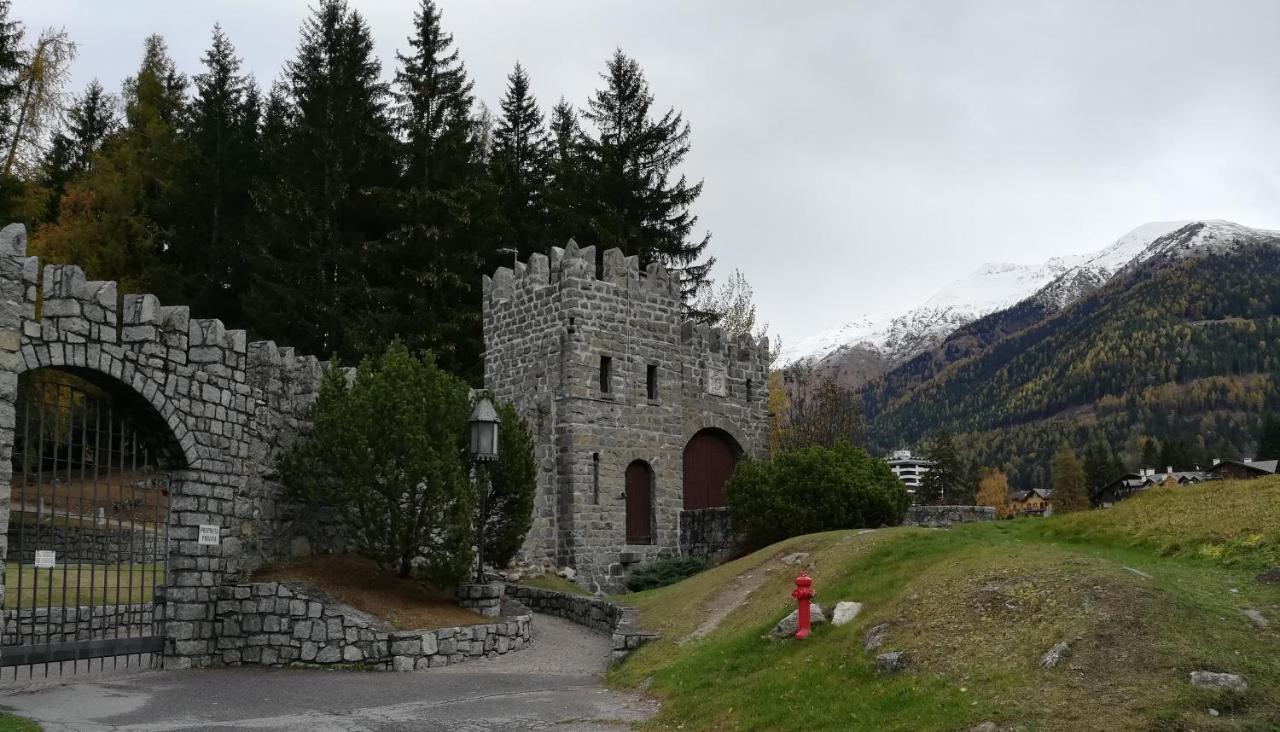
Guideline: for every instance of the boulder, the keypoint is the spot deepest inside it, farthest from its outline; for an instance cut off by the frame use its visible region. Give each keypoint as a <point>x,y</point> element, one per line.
<point>795,558</point>
<point>1256,617</point>
<point>875,637</point>
<point>892,663</point>
<point>845,612</point>
<point>1055,655</point>
<point>1215,680</point>
<point>786,628</point>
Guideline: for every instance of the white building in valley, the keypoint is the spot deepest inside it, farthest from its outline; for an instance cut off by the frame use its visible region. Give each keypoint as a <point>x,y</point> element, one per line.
<point>910,470</point>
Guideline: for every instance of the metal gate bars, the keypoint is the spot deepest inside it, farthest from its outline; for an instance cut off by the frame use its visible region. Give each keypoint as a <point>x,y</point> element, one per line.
<point>88,537</point>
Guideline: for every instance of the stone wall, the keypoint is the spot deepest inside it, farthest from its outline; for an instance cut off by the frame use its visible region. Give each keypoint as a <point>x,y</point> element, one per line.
<point>81,623</point>
<point>272,624</point>
<point>223,408</point>
<point>90,544</point>
<point>707,533</point>
<point>621,622</point>
<point>940,516</point>
<point>548,324</point>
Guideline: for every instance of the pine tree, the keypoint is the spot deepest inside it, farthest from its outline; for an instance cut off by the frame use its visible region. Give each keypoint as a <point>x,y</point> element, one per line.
<point>1269,438</point>
<point>1101,466</point>
<point>521,169</point>
<point>1150,453</point>
<point>11,68</point>
<point>207,262</point>
<point>1069,492</point>
<point>439,238</point>
<point>117,220</point>
<point>944,482</point>
<point>313,263</point>
<point>629,165</point>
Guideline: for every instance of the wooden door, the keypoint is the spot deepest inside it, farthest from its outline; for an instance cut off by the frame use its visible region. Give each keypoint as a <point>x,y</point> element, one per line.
<point>639,503</point>
<point>708,462</point>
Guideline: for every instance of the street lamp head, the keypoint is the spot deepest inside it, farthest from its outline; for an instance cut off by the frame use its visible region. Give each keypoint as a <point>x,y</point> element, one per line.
<point>484,430</point>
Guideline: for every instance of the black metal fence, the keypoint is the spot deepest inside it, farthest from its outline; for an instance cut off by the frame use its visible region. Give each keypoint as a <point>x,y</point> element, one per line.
<point>88,532</point>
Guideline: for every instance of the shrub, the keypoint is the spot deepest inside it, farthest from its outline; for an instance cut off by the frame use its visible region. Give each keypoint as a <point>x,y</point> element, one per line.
<point>813,489</point>
<point>509,485</point>
<point>387,450</point>
<point>664,572</point>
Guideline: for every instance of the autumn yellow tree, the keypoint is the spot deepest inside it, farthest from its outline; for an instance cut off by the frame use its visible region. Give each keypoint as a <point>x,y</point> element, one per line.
<point>993,491</point>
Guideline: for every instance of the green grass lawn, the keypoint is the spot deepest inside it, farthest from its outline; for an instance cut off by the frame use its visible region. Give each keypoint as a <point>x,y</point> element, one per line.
<point>975,608</point>
<point>86,584</point>
<point>14,723</point>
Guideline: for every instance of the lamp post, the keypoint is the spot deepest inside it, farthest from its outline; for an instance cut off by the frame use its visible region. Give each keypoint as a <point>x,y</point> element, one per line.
<point>484,448</point>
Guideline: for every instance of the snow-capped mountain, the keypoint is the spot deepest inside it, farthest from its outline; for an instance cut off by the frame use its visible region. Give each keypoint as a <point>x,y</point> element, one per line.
<point>893,338</point>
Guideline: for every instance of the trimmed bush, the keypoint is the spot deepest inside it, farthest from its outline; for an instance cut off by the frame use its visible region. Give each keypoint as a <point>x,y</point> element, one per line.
<point>664,572</point>
<point>814,489</point>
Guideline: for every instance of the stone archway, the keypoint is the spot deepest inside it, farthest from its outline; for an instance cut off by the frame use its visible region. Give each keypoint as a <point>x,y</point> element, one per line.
<point>709,458</point>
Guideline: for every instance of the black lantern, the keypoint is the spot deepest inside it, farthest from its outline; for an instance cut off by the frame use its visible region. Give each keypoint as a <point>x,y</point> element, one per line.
<point>484,430</point>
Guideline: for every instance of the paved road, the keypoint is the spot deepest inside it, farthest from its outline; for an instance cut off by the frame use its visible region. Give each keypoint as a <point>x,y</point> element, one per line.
<point>555,683</point>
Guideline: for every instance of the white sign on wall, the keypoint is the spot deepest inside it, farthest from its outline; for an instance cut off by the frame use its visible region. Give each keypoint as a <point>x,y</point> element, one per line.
<point>46,559</point>
<point>209,535</point>
<point>717,381</point>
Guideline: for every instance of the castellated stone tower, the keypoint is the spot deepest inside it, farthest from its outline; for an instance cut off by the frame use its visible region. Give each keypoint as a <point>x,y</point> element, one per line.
<point>637,417</point>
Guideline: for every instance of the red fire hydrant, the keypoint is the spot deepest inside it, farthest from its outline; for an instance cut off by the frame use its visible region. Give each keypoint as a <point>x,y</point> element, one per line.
<point>802,593</point>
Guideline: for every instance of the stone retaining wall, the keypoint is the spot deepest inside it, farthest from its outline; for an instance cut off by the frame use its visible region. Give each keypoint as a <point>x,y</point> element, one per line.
<point>78,623</point>
<point>707,533</point>
<point>272,624</point>
<point>621,622</point>
<point>940,516</point>
<point>88,544</point>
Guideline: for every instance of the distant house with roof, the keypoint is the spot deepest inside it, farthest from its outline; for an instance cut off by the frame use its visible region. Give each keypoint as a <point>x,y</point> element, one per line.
<point>1245,469</point>
<point>1130,483</point>
<point>1035,502</point>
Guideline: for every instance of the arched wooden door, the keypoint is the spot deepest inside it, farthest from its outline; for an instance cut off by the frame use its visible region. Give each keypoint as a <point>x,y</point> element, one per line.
<point>639,503</point>
<point>708,462</point>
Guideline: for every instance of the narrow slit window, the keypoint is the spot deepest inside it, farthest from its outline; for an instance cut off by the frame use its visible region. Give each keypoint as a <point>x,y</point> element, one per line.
<point>651,382</point>
<point>595,478</point>
<point>748,389</point>
<point>606,373</point>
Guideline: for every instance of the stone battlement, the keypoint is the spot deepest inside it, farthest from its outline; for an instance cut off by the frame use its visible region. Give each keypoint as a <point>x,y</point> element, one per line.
<point>574,263</point>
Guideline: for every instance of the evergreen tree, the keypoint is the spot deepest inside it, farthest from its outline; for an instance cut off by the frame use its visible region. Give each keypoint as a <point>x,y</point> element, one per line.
<point>1269,438</point>
<point>438,242</point>
<point>629,165</point>
<point>566,198</point>
<point>1150,454</point>
<point>328,132</point>
<point>1175,455</point>
<point>521,169</point>
<point>944,482</point>
<point>117,220</point>
<point>89,121</point>
<point>1069,491</point>
<point>11,69</point>
<point>1101,466</point>
<point>207,262</point>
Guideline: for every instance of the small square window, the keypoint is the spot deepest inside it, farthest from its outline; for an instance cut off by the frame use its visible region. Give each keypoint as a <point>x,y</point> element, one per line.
<point>651,382</point>
<point>606,373</point>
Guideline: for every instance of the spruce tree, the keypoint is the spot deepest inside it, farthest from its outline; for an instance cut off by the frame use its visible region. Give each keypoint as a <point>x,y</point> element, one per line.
<point>90,121</point>
<point>440,237</point>
<point>1069,492</point>
<point>207,261</point>
<point>91,118</point>
<point>1101,466</point>
<point>117,220</point>
<point>630,168</point>
<point>566,193</point>
<point>310,284</point>
<point>521,168</point>
<point>944,483</point>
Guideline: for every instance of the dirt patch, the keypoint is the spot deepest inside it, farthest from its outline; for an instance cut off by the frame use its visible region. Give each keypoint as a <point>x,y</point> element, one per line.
<point>360,583</point>
<point>737,592</point>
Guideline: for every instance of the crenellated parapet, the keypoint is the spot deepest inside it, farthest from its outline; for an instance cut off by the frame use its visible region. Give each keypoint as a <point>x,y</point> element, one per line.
<point>704,338</point>
<point>574,265</point>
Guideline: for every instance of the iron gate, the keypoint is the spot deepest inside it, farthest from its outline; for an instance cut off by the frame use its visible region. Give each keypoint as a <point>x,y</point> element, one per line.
<point>88,532</point>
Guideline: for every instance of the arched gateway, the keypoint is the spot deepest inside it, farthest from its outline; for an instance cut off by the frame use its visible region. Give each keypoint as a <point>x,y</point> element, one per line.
<point>709,458</point>
<point>176,422</point>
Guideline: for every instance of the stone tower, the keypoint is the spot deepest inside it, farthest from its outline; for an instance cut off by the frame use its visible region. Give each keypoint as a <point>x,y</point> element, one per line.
<point>637,417</point>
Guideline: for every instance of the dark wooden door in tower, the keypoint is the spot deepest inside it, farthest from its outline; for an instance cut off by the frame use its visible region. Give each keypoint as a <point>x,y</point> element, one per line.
<point>708,462</point>
<point>639,503</point>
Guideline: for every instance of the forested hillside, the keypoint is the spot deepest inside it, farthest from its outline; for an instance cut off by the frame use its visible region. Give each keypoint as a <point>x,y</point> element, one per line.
<point>1174,349</point>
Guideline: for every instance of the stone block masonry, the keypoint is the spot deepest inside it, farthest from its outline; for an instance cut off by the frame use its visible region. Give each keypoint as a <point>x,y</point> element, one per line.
<point>120,621</point>
<point>595,357</point>
<point>272,624</point>
<point>942,516</point>
<point>621,622</point>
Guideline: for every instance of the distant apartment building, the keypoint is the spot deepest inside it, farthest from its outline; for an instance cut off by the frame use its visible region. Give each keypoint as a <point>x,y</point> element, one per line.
<point>910,470</point>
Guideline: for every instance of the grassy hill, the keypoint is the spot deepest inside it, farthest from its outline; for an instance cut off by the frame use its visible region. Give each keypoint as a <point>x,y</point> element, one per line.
<point>1144,593</point>
<point>1185,350</point>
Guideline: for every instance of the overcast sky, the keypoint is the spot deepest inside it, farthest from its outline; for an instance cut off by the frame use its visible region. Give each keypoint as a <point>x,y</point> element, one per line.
<point>857,155</point>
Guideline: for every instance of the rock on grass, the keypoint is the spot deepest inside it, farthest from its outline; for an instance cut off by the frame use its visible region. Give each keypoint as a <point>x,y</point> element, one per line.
<point>875,637</point>
<point>1055,655</point>
<point>1214,680</point>
<point>786,628</point>
<point>892,663</point>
